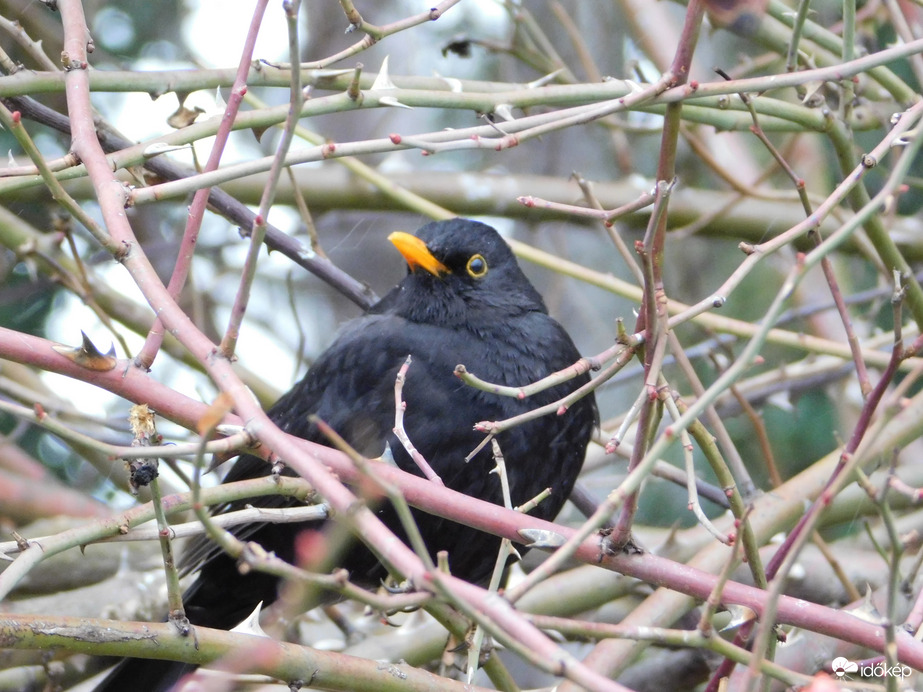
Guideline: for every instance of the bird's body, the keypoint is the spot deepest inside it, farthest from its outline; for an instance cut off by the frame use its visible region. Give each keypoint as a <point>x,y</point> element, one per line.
<point>465,301</point>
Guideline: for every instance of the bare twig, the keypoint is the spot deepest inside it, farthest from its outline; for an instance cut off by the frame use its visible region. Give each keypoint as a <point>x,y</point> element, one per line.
<point>399,407</point>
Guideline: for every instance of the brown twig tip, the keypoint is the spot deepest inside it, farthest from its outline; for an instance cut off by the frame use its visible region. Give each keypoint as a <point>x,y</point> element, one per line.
<point>472,380</point>
<point>529,505</point>
<point>353,91</point>
<point>322,425</point>
<point>68,63</point>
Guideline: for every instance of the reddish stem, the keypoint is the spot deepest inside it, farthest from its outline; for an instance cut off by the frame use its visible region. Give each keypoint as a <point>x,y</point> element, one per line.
<point>145,357</point>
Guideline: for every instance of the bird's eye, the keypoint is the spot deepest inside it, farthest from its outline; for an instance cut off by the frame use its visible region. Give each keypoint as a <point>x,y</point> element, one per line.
<point>477,266</point>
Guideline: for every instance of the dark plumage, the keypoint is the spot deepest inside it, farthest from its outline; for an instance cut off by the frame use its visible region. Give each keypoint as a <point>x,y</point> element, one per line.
<point>464,300</point>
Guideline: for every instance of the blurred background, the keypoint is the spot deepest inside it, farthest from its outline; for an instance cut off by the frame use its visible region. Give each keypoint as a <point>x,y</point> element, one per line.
<point>728,190</point>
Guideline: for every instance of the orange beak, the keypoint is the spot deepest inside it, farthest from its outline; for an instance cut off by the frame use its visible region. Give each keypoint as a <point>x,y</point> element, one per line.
<point>416,254</point>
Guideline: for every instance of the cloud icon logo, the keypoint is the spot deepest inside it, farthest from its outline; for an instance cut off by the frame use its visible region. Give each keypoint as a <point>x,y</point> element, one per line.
<point>841,666</point>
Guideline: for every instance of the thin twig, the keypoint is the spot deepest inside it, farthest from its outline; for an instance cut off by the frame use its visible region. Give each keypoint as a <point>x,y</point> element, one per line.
<point>259,228</point>
<point>399,407</point>
<point>145,357</point>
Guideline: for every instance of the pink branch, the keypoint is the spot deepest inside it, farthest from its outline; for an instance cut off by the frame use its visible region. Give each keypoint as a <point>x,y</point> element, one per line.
<point>137,386</point>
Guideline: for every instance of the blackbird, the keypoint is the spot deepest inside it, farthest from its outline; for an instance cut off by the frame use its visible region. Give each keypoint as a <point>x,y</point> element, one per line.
<point>464,300</point>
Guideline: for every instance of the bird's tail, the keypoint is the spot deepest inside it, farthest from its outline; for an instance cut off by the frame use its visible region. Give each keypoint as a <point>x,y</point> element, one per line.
<point>144,675</point>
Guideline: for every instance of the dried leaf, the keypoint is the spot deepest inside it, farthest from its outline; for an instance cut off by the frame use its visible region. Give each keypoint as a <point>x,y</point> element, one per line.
<point>141,420</point>
<point>183,116</point>
<point>88,356</point>
<point>220,407</point>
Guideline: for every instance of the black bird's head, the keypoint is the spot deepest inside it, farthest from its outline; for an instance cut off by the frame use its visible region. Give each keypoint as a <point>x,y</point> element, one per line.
<point>460,272</point>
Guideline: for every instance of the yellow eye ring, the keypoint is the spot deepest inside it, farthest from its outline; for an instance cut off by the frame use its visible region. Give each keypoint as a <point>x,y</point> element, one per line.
<point>477,266</point>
